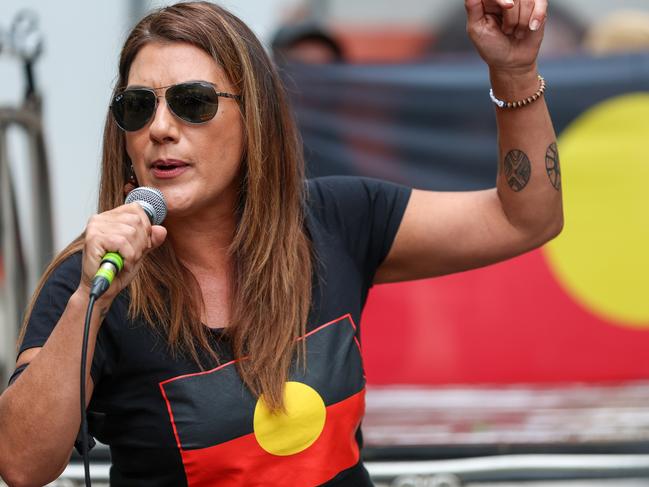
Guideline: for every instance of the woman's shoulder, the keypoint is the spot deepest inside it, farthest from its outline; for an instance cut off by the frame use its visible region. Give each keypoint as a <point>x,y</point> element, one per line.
<point>345,191</point>
<point>352,193</point>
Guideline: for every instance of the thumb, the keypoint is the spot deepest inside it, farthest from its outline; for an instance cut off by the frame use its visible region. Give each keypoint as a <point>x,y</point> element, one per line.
<point>158,235</point>
<point>474,10</point>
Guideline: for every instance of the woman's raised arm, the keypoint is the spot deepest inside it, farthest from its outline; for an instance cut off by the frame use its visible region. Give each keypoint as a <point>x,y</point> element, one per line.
<point>446,232</point>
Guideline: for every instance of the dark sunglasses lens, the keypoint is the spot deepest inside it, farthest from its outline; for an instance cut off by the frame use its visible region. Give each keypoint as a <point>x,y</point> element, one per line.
<point>133,109</point>
<point>193,102</point>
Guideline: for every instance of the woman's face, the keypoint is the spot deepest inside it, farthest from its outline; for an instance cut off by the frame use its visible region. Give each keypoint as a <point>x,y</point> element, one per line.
<point>195,166</point>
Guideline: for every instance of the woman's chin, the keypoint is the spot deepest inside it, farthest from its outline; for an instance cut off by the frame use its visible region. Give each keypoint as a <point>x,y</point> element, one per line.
<point>177,205</point>
<point>186,202</point>
<point>178,210</point>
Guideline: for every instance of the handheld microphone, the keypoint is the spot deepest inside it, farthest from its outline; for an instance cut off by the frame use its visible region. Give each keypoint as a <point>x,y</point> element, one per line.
<point>153,203</point>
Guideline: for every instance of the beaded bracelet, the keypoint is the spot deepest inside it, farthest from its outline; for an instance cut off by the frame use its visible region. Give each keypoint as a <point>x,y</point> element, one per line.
<point>520,103</point>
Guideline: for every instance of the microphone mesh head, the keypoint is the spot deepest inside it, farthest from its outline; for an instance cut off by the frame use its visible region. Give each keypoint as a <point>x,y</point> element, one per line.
<point>155,202</point>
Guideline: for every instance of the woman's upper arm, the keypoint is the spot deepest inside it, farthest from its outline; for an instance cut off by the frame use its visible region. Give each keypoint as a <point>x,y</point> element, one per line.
<point>27,356</point>
<point>446,232</point>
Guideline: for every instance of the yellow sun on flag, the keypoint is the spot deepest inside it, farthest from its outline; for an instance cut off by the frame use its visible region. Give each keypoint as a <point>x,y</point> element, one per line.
<point>601,258</point>
<point>295,430</point>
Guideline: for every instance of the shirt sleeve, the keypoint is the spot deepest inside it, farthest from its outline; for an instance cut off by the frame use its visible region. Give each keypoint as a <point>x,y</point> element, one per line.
<point>46,313</point>
<point>48,308</point>
<point>365,212</point>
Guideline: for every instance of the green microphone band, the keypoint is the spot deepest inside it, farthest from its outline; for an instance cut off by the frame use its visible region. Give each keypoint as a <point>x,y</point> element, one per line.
<point>110,266</point>
<point>107,272</point>
<point>115,259</point>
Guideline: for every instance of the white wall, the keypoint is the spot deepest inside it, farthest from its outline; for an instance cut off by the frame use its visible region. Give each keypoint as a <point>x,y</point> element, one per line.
<point>74,74</point>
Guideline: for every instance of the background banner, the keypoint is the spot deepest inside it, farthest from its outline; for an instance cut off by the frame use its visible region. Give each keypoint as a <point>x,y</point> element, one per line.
<point>575,310</point>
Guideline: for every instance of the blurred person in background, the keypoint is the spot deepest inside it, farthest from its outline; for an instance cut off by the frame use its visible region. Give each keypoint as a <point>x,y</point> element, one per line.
<point>306,42</point>
<point>621,32</point>
<point>227,349</point>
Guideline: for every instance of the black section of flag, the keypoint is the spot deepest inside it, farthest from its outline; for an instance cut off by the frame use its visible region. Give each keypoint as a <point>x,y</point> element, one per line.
<point>333,363</point>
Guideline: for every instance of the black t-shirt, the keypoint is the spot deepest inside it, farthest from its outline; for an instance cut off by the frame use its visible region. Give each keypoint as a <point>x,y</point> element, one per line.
<point>170,424</point>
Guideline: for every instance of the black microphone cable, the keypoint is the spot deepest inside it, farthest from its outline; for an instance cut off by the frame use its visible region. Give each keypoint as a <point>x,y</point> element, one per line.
<point>154,205</point>
<point>110,266</point>
<point>84,420</point>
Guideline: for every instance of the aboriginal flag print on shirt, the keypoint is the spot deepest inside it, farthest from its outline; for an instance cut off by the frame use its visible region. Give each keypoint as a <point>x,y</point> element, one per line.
<point>243,444</point>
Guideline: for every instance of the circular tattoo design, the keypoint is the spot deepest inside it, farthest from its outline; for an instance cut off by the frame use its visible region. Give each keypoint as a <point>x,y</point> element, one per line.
<point>518,169</point>
<point>552,165</point>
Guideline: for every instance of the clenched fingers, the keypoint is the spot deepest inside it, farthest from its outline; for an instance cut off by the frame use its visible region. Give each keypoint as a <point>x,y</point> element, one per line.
<point>131,243</point>
<point>518,17</point>
<point>524,14</point>
<point>511,18</point>
<point>125,230</point>
<point>539,14</point>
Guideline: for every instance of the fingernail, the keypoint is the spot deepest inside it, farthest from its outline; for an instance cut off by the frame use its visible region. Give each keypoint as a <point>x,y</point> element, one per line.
<point>509,3</point>
<point>534,26</point>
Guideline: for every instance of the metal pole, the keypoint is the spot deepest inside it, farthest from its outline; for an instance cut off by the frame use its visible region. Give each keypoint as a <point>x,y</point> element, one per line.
<point>13,287</point>
<point>17,277</point>
<point>41,199</point>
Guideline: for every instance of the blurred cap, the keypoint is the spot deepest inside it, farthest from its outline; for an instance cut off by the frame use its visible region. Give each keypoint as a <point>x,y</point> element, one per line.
<point>290,43</point>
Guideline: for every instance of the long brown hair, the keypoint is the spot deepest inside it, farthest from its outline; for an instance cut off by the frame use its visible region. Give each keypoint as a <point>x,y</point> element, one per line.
<point>272,255</point>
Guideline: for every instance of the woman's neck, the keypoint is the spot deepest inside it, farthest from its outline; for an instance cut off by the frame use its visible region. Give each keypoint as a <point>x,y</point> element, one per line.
<point>202,243</point>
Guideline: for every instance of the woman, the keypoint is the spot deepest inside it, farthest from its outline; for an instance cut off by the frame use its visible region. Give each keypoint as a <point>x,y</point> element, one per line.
<point>226,352</point>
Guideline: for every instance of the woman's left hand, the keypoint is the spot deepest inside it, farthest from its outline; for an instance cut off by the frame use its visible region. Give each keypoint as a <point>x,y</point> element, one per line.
<point>507,33</point>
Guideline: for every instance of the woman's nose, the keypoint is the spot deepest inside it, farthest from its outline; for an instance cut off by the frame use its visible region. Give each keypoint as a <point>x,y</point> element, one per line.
<point>164,126</point>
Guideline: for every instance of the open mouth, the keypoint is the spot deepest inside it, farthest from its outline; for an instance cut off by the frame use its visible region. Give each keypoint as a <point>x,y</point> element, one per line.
<point>168,165</point>
<point>168,168</point>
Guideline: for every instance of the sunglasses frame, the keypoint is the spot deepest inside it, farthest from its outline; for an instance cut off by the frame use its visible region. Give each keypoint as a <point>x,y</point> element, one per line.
<point>166,88</point>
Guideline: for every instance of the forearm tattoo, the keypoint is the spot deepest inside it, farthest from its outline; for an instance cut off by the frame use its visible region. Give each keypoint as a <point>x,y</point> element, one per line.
<point>552,165</point>
<point>518,169</point>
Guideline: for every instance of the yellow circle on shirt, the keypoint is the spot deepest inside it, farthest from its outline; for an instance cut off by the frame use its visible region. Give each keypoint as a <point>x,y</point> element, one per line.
<point>295,430</point>
<point>602,256</point>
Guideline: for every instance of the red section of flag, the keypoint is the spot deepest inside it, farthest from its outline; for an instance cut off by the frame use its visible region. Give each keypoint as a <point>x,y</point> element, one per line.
<point>243,462</point>
<point>507,323</point>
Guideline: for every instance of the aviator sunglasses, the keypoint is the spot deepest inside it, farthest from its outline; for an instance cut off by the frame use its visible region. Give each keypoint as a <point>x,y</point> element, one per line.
<point>194,102</point>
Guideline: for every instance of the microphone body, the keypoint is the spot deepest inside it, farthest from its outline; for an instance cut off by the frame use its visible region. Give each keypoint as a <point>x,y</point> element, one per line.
<point>154,205</point>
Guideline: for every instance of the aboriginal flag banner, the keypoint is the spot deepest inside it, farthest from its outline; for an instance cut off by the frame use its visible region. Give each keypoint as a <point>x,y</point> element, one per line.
<point>574,310</point>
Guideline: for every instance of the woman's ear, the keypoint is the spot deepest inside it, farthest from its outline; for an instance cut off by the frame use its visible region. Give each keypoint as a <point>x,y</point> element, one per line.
<point>131,180</point>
